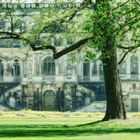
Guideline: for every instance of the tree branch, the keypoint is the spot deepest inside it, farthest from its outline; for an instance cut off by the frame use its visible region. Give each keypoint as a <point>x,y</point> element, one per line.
<point>130,22</point>
<point>9,33</point>
<point>64,51</point>
<point>137,3</point>
<point>129,27</point>
<point>71,48</point>
<point>18,38</point>
<point>121,5</point>
<point>65,19</point>
<point>127,48</point>
<point>128,51</point>
<point>58,22</point>
<point>53,48</point>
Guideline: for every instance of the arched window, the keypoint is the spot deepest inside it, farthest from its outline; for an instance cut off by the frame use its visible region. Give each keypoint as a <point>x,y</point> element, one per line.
<point>16,68</point>
<point>101,72</point>
<point>94,68</point>
<point>134,66</point>
<point>122,67</point>
<point>86,68</point>
<point>1,68</point>
<point>49,66</point>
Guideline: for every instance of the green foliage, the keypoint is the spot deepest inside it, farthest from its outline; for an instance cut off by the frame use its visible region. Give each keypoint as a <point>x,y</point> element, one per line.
<point>110,23</point>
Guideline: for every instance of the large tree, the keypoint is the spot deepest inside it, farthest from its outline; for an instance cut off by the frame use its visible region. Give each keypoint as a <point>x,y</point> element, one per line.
<point>111,25</point>
<point>103,24</point>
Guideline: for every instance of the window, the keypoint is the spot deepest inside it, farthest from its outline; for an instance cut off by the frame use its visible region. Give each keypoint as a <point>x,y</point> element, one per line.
<point>58,41</point>
<point>69,70</point>
<point>101,69</point>
<point>48,40</point>
<point>2,44</point>
<point>122,68</point>
<point>15,44</point>
<point>69,41</point>
<point>86,68</point>
<point>134,65</point>
<point>1,68</point>
<point>2,24</point>
<point>49,66</point>
<point>94,68</point>
<point>101,72</point>
<point>16,68</point>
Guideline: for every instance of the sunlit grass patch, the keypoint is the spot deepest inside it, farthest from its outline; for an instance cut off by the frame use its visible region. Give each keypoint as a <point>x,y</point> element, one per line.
<point>62,126</point>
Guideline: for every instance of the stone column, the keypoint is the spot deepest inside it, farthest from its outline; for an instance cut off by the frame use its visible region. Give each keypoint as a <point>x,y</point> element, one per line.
<point>24,68</point>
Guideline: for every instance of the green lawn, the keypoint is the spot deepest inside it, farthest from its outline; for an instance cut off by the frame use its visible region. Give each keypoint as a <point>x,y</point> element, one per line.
<point>71,128</point>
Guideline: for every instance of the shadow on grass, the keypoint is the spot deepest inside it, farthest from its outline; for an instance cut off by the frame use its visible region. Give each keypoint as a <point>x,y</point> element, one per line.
<point>94,128</point>
<point>92,123</point>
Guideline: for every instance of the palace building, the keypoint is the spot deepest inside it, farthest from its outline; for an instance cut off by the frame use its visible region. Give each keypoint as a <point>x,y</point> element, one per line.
<point>35,80</point>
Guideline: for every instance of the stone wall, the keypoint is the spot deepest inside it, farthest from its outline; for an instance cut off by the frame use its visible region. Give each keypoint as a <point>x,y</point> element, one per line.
<point>66,96</point>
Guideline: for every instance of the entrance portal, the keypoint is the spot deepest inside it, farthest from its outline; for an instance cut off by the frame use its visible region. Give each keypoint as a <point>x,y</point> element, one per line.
<point>50,100</point>
<point>134,105</point>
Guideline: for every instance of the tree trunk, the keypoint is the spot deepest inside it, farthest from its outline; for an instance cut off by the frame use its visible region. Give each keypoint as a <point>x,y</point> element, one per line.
<point>115,105</point>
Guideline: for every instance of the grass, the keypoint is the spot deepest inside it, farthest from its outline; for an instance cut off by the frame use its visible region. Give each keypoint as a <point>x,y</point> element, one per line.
<point>71,128</point>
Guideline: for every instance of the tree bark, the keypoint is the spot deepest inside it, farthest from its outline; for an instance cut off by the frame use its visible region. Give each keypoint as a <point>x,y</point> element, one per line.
<point>115,104</point>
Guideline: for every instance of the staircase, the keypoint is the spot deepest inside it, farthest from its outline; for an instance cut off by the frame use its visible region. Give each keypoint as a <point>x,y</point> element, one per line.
<point>4,87</point>
<point>99,102</point>
<point>95,106</point>
<point>97,87</point>
<point>4,107</point>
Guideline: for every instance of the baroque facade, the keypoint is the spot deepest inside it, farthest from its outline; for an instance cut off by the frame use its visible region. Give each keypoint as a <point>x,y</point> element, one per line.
<point>34,80</point>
